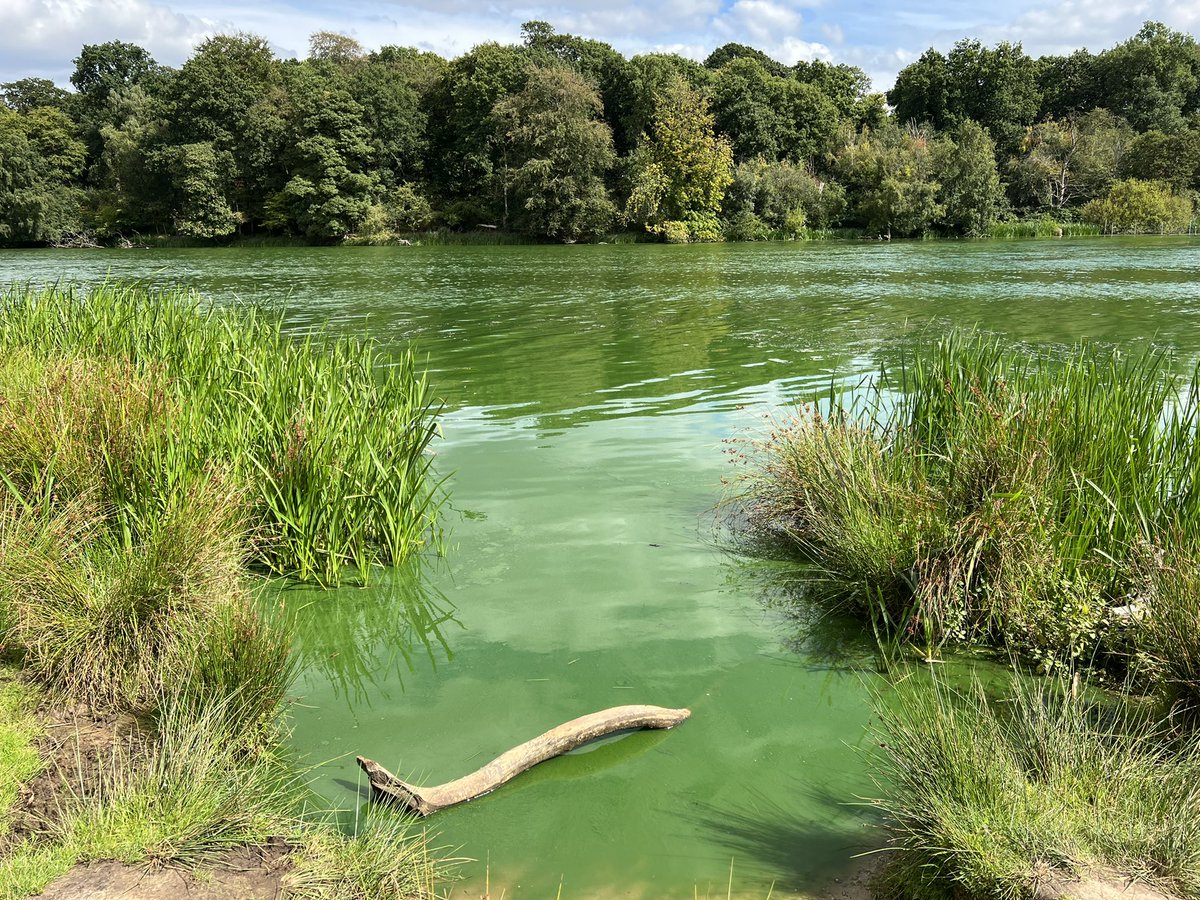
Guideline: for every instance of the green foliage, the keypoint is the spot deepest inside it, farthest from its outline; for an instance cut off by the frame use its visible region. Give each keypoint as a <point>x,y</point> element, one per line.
<point>770,116</point>
<point>323,438</point>
<point>1153,79</point>
<point>40,157</point>
<point>891,180</point>
<point>1173,159</point>
<point>780,200</point>
<point>229,94</point>
<point>983,496</point>
<point>559,153</point>
<point>202,210</point>
<point>1140,207</point>
<point>383,859</point>
<point>681,170</point>
<point>1064,163</point>
<point>27,94</point>
<point>332,187</point>
<point>996,87</point>
<point>970,195</point>
<point>990,797</point>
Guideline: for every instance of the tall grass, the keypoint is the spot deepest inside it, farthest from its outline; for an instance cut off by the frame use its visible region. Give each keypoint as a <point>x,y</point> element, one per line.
<point>988,797</point>
<point>974,493</point>
<point>325,436</point>
<point>1042,227</point>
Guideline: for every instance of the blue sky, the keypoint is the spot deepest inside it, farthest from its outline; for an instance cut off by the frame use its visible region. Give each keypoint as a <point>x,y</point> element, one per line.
<point>40,37</point>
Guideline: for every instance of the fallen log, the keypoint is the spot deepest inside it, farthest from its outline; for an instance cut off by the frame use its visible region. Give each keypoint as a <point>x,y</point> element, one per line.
<point>508,765</point>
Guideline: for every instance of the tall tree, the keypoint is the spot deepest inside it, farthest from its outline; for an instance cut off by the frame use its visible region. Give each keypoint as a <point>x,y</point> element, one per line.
<point>969,184</point>
<point>680,172</point>
<point>332,184</point>
<point>559,152</point>
<point>230,94</point>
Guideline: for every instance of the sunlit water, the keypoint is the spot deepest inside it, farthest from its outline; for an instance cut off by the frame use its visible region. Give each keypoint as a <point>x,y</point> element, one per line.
<point>588,391</point>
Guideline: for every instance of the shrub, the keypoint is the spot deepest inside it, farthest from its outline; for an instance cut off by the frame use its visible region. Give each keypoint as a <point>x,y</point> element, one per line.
<point>1140,207</point>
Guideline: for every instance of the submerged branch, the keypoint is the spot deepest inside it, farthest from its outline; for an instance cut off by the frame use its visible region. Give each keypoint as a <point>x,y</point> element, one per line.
<point>556,741</point>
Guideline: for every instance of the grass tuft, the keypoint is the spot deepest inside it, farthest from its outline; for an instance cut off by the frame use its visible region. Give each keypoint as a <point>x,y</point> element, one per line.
<point>975,494</point>
<point>986,797</point>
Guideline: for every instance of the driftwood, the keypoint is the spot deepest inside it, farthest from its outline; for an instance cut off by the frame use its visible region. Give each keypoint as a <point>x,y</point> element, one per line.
<point>556,741</point>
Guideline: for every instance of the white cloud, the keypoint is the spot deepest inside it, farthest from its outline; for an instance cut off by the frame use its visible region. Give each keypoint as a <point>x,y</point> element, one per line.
<point>41,37</point>
<point>1097,24</point>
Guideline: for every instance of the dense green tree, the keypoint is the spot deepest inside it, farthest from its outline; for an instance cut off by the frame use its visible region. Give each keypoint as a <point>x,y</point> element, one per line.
<point>650,76</point>
<point>921,94</point>
<point>1061,163</point>
<point>1140,207</point>
<point>680,172</point>
<point>1170,158</point>
<point>970,194</point>
<point>727,53</point>
<point>1153,79</point>
<point>743,109</point>
<point>997,87</point>
<point>596,61</point>
<point>27,94</point>
<point>847,87</point>
<point>780,199</point>
<point>891,180</point>
<point>765,115</point>
<point>557,152</point>
<point>333,184</point>
<point>230,94</point>
<point>464,159</point>
<point>201,208</point>
<point>40,157</point>
<point>101,69</point>
<point>1068,85</point>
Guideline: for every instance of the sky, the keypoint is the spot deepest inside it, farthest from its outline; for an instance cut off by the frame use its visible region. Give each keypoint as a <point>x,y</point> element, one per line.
<point>41,37</point>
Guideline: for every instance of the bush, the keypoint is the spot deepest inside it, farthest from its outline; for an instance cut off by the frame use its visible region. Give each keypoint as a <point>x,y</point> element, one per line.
<point>1140,207</point>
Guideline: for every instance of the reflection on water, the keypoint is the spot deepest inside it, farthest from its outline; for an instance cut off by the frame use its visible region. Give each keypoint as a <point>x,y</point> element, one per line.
<point>588,391</point>
<point>362,641</point>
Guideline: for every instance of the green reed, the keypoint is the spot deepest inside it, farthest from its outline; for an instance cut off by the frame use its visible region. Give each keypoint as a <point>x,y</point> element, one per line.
<point>326,436</point>
<point>975,493</point>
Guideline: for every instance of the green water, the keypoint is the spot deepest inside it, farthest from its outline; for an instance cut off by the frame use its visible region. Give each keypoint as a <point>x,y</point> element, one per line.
<point>588,390</point>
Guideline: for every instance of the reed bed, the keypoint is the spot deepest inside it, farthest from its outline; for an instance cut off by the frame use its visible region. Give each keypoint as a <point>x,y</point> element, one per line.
<point>1044,227</point>
<point>982,495</point>
<point>325,437</point>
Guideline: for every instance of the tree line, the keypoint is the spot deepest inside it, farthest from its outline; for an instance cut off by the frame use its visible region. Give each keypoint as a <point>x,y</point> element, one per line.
<point>561,137</point>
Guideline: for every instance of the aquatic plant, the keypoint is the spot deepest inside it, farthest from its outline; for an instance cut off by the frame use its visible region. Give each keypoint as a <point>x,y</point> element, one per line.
<point>324,436</point>
<point>973,493</point>
<point>988,797</point>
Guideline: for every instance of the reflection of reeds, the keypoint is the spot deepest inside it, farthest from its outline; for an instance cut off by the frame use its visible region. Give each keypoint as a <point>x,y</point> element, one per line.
<point>359,638</point>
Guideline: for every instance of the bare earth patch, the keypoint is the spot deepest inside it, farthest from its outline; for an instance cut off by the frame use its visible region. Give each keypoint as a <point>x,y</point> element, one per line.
<point>79,747</point>
<point>248,873</point>
<point>1055,885</point>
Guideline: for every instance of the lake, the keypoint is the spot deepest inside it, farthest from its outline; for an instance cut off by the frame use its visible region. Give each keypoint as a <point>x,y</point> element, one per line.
<point>588,393</point>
